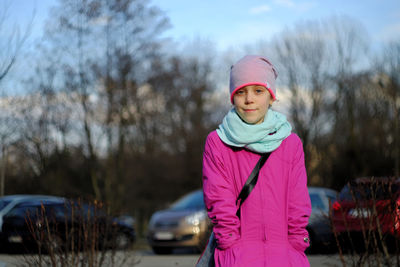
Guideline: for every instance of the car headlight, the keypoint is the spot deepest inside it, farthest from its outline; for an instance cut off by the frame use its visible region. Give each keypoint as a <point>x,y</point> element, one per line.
<point>195,218</point>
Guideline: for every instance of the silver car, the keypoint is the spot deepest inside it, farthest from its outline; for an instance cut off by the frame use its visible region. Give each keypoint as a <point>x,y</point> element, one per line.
<point>184,224</point>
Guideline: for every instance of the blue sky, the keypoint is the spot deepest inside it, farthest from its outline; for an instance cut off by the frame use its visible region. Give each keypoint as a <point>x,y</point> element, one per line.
<point>227,23</point>
<point>230,23</point>
<point>233,22</point>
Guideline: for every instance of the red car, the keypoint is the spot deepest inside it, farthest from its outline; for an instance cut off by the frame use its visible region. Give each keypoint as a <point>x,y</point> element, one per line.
<point>367,206</point>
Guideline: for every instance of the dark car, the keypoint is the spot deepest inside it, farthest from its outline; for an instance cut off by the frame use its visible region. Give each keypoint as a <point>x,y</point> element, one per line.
<point>319,227</point>
<point>64,224</point>
<point>10,201</point>
<point>184,224</point>
<point>365,206</point>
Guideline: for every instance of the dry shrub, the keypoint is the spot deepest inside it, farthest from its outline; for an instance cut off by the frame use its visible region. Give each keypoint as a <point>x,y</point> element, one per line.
<point>87,237</point>
<point>366,224</point>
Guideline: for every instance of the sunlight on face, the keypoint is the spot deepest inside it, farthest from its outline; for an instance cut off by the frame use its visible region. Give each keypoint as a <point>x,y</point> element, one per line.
<point>252,102</point>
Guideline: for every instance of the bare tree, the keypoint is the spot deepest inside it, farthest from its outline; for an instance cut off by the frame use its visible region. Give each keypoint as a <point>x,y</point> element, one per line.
<point>388,78</point>
<point>186,86</point>
<point>10,48</point>
<point>349,50</point>
<point>302,54</point>
<point>317,61</point>
<point>8,135</point>
<point>124,92</point>
<point>105,47</point>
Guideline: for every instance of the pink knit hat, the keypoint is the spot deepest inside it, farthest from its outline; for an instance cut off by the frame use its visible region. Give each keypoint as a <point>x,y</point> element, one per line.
<point>253,70</point>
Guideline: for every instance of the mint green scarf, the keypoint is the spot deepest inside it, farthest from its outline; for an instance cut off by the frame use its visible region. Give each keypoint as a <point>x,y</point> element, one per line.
<point>260,138</point>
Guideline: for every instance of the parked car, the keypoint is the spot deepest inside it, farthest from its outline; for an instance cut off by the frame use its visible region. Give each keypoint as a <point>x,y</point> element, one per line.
<point>10,201</point>
<point>362,203</point>
<point>184,224</point>
<point>62,224</point>
<point>319,227</point>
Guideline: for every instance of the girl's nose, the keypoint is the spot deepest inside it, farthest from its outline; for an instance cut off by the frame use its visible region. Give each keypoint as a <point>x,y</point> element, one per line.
<point>249,97</point>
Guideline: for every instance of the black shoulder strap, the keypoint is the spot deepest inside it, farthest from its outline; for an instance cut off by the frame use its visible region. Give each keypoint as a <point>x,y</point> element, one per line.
<point>251,181</point>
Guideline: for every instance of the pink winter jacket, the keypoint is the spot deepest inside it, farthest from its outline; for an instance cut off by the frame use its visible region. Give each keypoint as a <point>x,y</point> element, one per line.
<point>272,225</point>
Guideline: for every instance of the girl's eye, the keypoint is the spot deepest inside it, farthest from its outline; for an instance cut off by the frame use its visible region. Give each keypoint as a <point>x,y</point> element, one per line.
<point>240,92</point>
<point>259,91</point>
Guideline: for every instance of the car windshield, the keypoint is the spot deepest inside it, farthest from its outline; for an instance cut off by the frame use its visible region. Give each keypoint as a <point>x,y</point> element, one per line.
<point>56,209</point>
<point>24,210</point>
<point>3,203</point>
<point>368,191</point>
<point>193,201</point>
<point>316,202</point>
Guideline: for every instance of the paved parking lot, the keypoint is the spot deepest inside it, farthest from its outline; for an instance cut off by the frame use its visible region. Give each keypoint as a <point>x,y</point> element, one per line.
<point>190,260</point>
<point>146,258</point>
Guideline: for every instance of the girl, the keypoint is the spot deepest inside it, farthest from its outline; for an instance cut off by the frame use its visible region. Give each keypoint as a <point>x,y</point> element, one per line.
<point>271,230</point>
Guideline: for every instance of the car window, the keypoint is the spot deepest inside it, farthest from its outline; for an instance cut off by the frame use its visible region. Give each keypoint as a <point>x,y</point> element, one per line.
<point>193,201</point>
<point>87,210</point>
<point>331,197</point>
<point>93,211</point>
<point>366,191</point>
<point>4,203</point>
<point>55,210</point>
<point>23,210</point>
<point>77,209</point>
<point>316,202</point>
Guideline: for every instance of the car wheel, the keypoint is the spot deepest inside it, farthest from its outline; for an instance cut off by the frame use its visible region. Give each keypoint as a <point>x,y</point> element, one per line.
<point>312,249</point>
<point>54,244</point>
<point>162,250</point>
<point>201,245</point>
<point>122,241</point>
<point>203,241</point>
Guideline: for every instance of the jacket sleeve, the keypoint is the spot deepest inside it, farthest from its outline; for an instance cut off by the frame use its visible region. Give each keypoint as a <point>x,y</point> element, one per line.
<point>219,196</point>
<point>299,204</point>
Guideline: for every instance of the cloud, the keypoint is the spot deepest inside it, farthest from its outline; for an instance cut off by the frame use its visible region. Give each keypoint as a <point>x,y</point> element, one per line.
<point>285,3</point>
<point>260,9</point>
<point>303,7</point>
<point>300,6</point>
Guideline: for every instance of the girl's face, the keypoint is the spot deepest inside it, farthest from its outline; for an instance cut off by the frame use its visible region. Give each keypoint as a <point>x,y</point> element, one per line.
<point>252,102</point>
